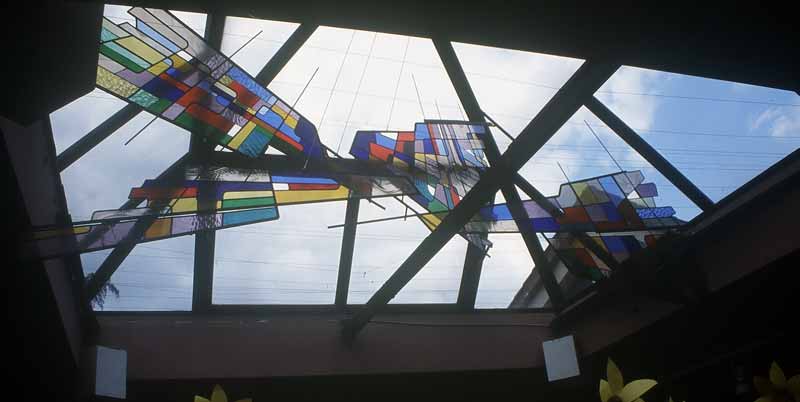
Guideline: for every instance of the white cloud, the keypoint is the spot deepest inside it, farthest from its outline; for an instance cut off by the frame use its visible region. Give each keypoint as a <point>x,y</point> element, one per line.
<point>778,122</point>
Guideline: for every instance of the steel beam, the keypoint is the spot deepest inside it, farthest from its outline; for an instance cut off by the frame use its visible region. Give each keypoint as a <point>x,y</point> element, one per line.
<point>650,154</point>
<point>121,251</point>
<point>474,113</point>
<point>204,247</point>
<point>96,136</point>
<point>473,260</point>
<point>346,254</point>
<point>201,149</point>
<point>575,92</point>
<point>285,53</point>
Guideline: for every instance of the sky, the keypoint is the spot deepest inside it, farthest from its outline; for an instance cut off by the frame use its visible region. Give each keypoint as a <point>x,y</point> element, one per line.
<point>719,134</point>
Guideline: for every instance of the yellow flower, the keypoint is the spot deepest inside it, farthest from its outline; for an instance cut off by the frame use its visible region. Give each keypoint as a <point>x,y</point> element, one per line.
<point>218,395</point>
<point>615,390</point>
<point>776,388</point>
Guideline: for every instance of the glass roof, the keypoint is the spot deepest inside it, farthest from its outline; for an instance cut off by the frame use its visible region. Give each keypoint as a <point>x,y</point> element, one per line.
<point>343,82</point>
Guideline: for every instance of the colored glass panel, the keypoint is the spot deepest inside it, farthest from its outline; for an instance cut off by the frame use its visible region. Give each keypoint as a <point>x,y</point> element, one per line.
<point>176,75</point>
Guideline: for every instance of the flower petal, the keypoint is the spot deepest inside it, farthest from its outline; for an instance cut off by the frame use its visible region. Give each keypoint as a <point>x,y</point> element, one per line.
<point>634,389</point>
<point>776,376</point>
<point>218,395</point>
<point>614,377</point>
<point>200,399</point>
<point>605,391</point>
<point>763,386</point>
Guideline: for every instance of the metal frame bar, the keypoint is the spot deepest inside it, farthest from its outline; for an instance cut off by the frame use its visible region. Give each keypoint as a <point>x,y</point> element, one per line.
<point>96,136</point>
<point>201,150</point>
<point>278,61</point>
<point>572,95</point>
<point>472,267</point>
<point>650,154</point>
<point>346,254</point>
<point>473,259</point>
<point>121,251</point>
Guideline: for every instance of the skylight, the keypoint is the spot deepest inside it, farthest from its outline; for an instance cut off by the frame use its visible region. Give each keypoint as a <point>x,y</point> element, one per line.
<point>375,117</point>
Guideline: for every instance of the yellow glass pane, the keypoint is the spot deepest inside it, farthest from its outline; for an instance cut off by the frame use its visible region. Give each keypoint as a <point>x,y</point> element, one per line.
<point>141,49</point>
<point>431,221</point>
<point>185,205</point>
<point>584,193</point>
<point>179,63</point>
<point>237,195</point>
<point>159,228</point>
<point>298,196</point>
<point>109,81</point>
<point>158,68</point>
<point>241,135</point>
<point>277,109</point>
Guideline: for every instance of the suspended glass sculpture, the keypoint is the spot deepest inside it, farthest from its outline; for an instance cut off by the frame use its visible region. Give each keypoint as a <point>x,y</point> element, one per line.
<point>444,159</point>
<point>167,69</point>
<point>163,66</point>
<point>610,203</point>
<point>210,198</point>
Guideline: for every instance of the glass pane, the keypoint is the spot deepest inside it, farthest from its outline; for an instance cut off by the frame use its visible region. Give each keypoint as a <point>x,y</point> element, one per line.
<point>254,55</point>
<point>293,260</point>
<point>719,134</point>
<point>504,272</point>
<point>155,276</point>
<point>575,154</point>
<point>366,81</point>
<point>381,247</point>
<point>511,85</point>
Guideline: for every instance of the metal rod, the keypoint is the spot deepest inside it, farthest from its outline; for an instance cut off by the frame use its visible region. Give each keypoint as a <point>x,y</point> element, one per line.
<point>604,146</point>
<point>245,44</point>
<point>358,89</point>
<point>397,86</point>
<point>419,99</point>
<point>141,130</point>
<point>502,130</point>
<point>285,53</point>
<point>96,136</point>
<point>391,218</point>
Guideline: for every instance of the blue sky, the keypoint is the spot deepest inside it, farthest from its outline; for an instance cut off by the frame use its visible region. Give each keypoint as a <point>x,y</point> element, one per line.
<point>366,81</point>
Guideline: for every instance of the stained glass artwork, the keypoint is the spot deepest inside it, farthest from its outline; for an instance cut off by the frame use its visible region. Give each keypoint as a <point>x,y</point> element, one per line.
<point>444,160</point>
<point>99,235</point>
<point>211,198</point>
<point>610,203</point>
<point>616,211</point>
<point>163,66</point>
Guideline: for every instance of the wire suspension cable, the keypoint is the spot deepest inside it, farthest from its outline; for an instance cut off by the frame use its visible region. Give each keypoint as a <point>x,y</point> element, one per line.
<point>604,146</point>
<point>141,130</point>
<point>358,89</point>
<point>419,99</point>
<point>245,44</point>
<point>399,78</point>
